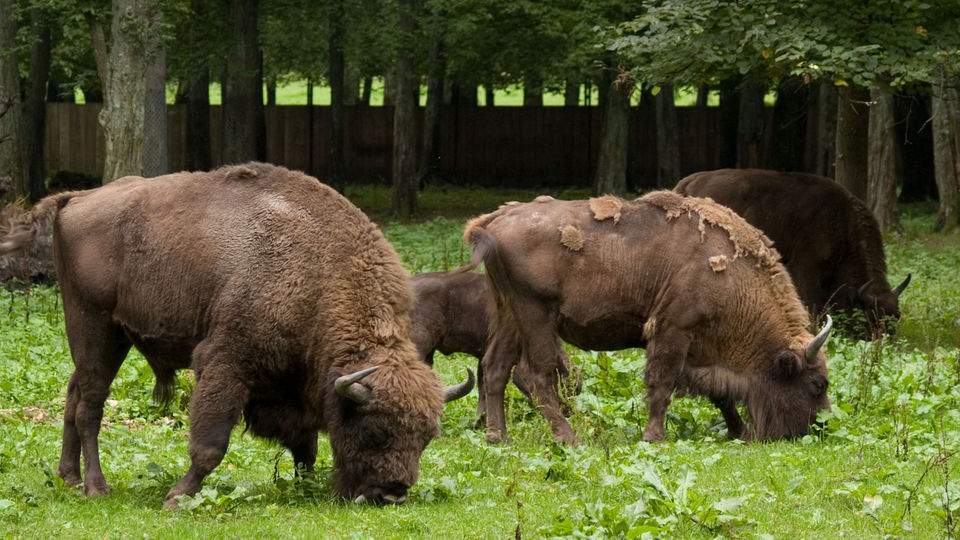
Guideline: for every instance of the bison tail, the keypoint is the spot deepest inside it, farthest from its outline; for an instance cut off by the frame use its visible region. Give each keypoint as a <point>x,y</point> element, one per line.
<point>483,245</point>
<point>25,229</point>
<point>163,388</point>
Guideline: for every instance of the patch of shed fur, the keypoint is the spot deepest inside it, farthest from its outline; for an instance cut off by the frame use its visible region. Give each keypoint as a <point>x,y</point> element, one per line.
<point>571,238</point>
<point>718,263</point>
<point>544,198</point>
<point>241,172</point>
<point>606,207</point>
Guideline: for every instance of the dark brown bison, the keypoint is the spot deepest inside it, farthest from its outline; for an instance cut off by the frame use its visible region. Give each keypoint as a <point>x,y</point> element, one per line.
<point>687,279</point>
<point>286,301</point>
<point>451,313</point>
<point>827,238</point>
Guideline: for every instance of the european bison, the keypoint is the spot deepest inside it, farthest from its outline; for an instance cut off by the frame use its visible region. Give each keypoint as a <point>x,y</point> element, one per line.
<point>286,301</point>
<point>685,278</point>
<point>451,313</point>
<point>827,238</point>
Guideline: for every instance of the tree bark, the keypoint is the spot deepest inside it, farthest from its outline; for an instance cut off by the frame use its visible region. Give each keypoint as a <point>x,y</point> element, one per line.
<point>946,156</point>
<point>789,125</point>
<point>243,138</point>
<point>826,149</point>
<point>853,119</point>
<point>668,138</point>
<point>35,107</point>
<point>882,161</point>
<point>336,76</point>
<point>404,128</point>
<point>11,157</point>
<point>611,175</point>
<point>155,153</point>
<point>750,127</point>
<point>430,157</point>
<point>198,123</point>
<point>135,38</point>
<point>365,94</point>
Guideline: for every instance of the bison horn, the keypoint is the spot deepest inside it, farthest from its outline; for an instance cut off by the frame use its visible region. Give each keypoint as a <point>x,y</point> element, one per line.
<point>457,391</point>
<point>814,347</point>
<point>866,299</point>
<point>902,286</point>
<point>349,386</point>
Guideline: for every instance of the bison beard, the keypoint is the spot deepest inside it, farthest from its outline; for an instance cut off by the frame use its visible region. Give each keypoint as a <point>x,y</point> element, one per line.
<point>648,275</point>
<point>829,240</point>
<point>285,300</point>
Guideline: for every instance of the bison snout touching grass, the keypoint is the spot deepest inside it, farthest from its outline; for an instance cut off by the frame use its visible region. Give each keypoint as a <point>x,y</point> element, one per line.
<point>687,279</point>
<point>286,301</point>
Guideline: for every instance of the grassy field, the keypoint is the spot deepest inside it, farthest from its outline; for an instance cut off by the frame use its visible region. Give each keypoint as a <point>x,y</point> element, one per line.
<point>885,463</point>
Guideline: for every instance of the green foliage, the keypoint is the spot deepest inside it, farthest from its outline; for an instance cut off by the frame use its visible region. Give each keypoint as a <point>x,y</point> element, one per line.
<point>883,464</point>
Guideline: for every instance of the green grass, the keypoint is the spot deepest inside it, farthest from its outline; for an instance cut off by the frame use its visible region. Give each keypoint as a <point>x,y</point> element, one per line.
<point>884,465</point>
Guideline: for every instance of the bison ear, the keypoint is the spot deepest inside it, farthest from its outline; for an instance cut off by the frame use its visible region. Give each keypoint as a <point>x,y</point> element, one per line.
<point>787,366</point>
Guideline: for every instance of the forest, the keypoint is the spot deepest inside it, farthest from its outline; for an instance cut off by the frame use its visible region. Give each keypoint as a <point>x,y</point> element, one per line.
<point>865,93</point>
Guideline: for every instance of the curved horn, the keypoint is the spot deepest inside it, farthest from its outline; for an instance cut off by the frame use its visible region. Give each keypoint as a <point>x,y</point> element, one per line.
<point>457,391</point>
<point>866,299</point>
<point>810,355</point>
<point>349,386</point>
<point>902,286</point>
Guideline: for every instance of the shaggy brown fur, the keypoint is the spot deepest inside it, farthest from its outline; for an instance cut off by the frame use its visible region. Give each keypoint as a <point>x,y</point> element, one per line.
<point>268,284</point>
<point>829,240</point>
<point>737,335</point>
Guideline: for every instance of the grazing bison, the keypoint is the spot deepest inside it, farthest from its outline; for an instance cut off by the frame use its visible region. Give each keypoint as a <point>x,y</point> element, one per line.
<point>828,240</point>
<point>451,313</point>
<point>687,279</point>
<point>286,301</point>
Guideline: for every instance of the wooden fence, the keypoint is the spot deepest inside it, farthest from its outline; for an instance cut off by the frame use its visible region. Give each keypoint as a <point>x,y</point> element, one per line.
<point>511,146</point>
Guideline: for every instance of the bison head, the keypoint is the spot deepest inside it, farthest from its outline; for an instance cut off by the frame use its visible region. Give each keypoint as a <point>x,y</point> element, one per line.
<point>381,419</point>
<point>881,306</point>
<point>793,392</point>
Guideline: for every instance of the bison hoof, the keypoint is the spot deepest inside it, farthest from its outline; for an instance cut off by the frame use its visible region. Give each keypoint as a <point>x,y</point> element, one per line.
<point>171,504</point>
<point>96,490</point>
<point>70,479</point>
<point>496,437</point>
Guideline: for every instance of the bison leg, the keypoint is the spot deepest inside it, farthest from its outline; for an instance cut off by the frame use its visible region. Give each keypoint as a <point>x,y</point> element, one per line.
<point>305,452</point>
<point>665,357</point>
<point>98,351</point>
<point>215,408</point>
<point>728,407</point>
<point>497,363</point>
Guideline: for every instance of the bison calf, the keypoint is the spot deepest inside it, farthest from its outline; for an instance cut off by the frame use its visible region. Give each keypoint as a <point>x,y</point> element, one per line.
<point>687,279</point>
<point>451,313</point>
<point>286,301</point>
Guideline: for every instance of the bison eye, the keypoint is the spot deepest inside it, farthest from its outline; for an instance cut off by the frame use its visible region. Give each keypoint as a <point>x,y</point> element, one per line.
<point>374,437</point>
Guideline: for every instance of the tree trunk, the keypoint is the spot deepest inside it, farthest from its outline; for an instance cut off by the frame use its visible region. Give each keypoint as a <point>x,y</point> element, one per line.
<point>750,127</point>
<point>532,92</point>
<point>367,87</point>
<point>489,94</point>
<point>404,128</point>
<point>430,157</point>
<point>11,163</point>
<point>337,72</point>
<point>611,175</point>
<point>135,37</point>
<point>571,94</point>
<point>155,154</point>
<point>729,117</point>
<point>946,156</point>
<point>789,125</point>
<point>668,138</point>
<point>826,150</point>
<point>351,86</point>
<point>242,86</point>
<point>35,107</point>
<point>198,145</point>
<point>853,119</point>
<point>882,161</point>
<point>703,93</point>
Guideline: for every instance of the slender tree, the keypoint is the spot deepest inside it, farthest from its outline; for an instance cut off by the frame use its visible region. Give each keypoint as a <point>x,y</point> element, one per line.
<point>668,138</point>
<point>404,128</point>
<point>135,39</point>
<point>35,105</point>
<point>946,154</point>
<point>243,124</point>
<point>336,75</point>
<point>611,174</point>
<point>883,163</point>
<point>11,164</point>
